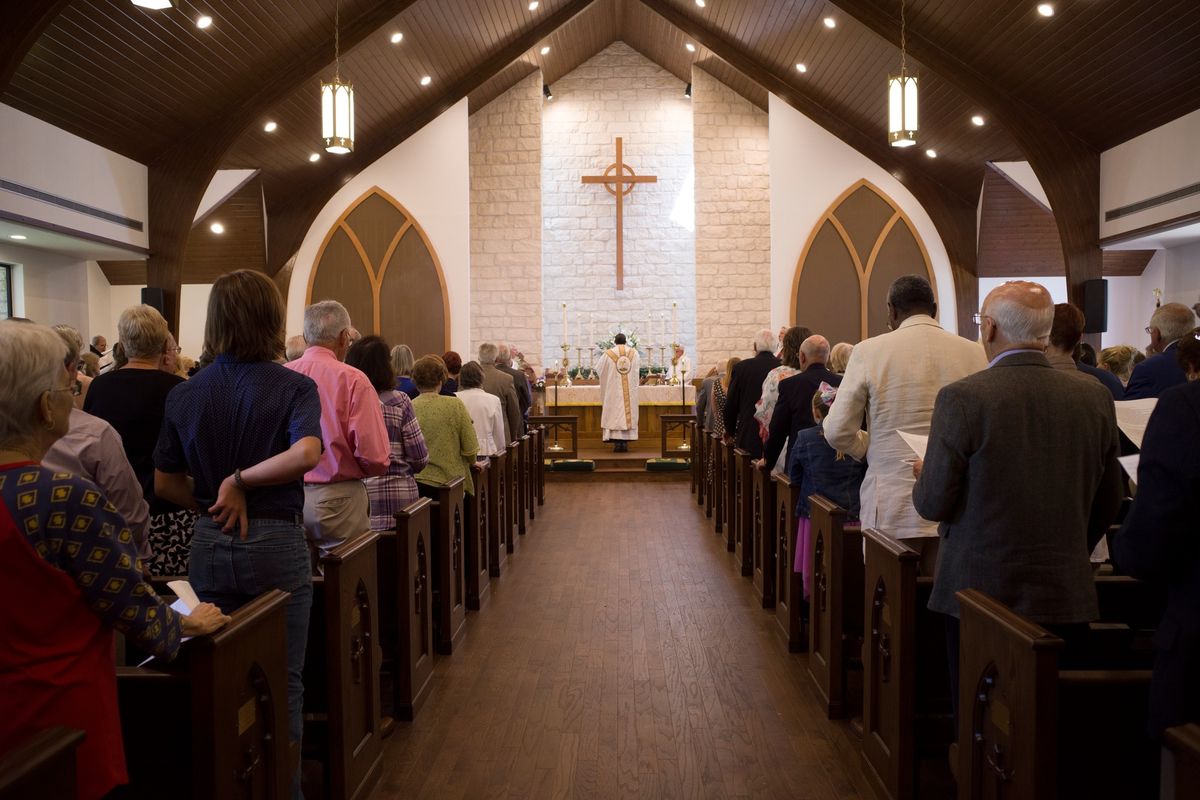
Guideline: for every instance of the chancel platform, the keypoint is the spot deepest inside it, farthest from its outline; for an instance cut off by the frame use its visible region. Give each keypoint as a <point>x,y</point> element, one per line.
<point>653,402</point>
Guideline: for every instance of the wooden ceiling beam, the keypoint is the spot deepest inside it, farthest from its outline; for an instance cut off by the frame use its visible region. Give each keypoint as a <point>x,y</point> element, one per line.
<point>951,213</point>
<point>21,23</point>
<point>1067,167</point>
<point>179,176</point>
<point>287,227</point>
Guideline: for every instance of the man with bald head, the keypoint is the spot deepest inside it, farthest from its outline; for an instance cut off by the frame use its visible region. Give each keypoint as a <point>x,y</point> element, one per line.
<point>1020,473</point>
<point>793,410</point>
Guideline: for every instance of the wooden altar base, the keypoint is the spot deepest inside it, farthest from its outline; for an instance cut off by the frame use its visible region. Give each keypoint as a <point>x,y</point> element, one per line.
<point>612,466</point>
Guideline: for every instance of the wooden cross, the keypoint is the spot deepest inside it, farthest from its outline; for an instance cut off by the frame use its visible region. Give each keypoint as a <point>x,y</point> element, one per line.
<point>618,181</point>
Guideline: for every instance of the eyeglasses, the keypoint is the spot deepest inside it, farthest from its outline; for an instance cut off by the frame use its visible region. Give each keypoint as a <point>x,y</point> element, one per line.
<point>979,318</point>
<point>1147,329</point>
<point>175,350</point>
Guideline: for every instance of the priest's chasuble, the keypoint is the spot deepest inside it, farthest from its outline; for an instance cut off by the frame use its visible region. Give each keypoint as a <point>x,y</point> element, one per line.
<point>619,377</point>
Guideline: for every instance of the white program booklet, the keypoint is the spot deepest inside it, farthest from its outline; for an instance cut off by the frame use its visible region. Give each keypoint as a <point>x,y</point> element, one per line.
<point>1132,416</point>
<point>918,442</point>
<point>1130,465</point>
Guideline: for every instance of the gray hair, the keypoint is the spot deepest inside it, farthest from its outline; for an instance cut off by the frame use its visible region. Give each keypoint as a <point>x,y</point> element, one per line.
<point>503,352</point>
<point>815,348</point>
<point>402,360</point>
<point>142,331</point>
<point>324,321</point>
<point>1022,322</point>
<point>765,341</point>
<point>488,351</point>
<point>1173,320</point>
<point>839,357</point>
<point>295,347</point>
<point>73,341</point>
<point>31,357</point>
<point>471,376</point>
<point>97,338</point>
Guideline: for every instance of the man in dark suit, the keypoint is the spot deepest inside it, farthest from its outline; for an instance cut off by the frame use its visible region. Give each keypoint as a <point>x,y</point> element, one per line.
<point>1020,473</point>
<point>520,382</point>
<point>1161,371</point>
<point>500,384</point>
<point>793,410</point>
<point>745,389</point>
<point>1158,543</point>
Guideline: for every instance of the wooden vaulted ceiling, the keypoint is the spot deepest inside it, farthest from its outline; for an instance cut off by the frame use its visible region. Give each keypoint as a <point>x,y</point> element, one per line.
<point>142,82</point>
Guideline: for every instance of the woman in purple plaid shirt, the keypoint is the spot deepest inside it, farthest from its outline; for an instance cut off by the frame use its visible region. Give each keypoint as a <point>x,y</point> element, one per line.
<point>394,490</point>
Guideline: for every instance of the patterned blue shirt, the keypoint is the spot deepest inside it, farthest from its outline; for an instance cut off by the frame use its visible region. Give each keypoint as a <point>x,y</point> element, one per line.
<point>232,415</point>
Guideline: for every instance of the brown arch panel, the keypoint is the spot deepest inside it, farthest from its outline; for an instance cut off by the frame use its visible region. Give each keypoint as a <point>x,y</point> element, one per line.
<point>899,254</point>
<point>836,278</point>
<point>340,275</point>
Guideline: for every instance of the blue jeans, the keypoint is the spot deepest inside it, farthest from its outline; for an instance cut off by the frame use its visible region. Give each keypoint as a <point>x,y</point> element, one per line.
<point>229,572</point>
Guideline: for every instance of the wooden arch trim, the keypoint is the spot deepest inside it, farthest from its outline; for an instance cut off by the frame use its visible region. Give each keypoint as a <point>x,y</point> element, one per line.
<point>376,278</point>
<point>864,270</point>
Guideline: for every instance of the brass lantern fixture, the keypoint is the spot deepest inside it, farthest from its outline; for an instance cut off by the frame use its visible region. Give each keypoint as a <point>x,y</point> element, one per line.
<point>902,97</point>
<point>337,102</point>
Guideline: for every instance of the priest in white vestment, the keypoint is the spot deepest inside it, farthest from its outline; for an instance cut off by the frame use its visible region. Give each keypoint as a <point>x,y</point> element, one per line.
<point>681,367</point>
<point>619,375</point>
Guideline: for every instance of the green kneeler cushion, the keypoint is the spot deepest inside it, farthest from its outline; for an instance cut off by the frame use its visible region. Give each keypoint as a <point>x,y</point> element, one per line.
<point>667,464</point>
<point>573,465</point>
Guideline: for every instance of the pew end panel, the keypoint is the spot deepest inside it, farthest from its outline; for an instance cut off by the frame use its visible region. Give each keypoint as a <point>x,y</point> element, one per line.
<point>499,545</point>
<point>43,767</point>
<point>835,624</point>
<point>790,610</point>
<point>731,497</point>
<point>717,492</point>
<point>764,527</point>
<point>521,498</point>
<point>406,609</point>
<point>478,553</point>
<point>743,537</point>
<point>449,580</point>
<point>1181,763</point>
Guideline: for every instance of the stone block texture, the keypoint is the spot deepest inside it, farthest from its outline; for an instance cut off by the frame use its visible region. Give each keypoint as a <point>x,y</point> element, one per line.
<point>733,221</point>
<point>506,220</point>
<point>618,92</point>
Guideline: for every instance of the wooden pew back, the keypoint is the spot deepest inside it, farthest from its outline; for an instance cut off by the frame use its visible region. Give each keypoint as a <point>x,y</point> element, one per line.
<point>478,566</point>
<point>1181,763</point>
<point>449,568</point>
<point>835,609</point>
<point>743,539</point>
<point>43,767</point>
<point>405,608</point>
<point>789,588</point>
<point>763,527</point>
<point>499,533</point>
<point>731,496</point>
<point>716,485</point>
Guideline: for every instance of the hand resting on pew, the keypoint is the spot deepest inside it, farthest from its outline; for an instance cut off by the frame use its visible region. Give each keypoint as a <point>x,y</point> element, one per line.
<point>204,619</point>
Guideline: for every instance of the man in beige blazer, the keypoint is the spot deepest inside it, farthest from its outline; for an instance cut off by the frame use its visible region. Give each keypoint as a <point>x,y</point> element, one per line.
<point>891,383</point>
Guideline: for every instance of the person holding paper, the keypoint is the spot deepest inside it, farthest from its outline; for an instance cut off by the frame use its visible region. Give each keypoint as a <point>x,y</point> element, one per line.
<point>69,574</point>
<point>1020,474</point>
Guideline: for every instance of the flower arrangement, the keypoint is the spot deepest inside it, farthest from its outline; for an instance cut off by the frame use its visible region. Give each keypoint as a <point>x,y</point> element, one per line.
<point>631,339</point>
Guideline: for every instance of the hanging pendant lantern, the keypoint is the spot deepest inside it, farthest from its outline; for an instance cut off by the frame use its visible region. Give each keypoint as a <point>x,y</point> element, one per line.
<point>337,102</point>
<point>902,97</point>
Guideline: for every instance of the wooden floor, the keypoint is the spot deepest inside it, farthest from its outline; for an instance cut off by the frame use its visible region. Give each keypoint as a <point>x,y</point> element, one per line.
<point>621,656</point>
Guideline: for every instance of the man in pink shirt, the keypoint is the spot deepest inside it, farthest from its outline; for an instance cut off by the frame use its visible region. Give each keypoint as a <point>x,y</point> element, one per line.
<point>352,429</point>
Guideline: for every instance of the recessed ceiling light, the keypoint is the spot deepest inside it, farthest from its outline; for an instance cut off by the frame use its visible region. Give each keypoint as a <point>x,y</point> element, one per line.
<point>314,157</point>
<point>154,5</point>
<point>830,22</point>
<point>700,3</point>
<point>271,126</point>
<point>203,21</point>
<point>217,227</point>
<point>1046,10</point>
<point>801,68</point>
<point>931,153</point>
<point>691,48</point>
<point>20,237</point>
<point>534,5</point>
<point>545,51</point>
<point>397,37</point>
<point>977,120</point>
<point>426,80</point>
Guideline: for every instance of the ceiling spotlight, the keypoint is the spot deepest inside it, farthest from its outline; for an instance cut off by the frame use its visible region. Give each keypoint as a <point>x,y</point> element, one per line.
<point>801,68</point>
<point>397,37</point>
<point>314,157</point>
<point>688,92</point>
<point>700,3</point>
<point>271,126</point>
<point>534,5</point>
<point>20,237</point>
<point>546,50</point>
<point>977,121</point>
<point>931,153</point>
<point>203,21</point>
<point>546,93</point>
<point>154,5</point>
<point>217,227</point>
<point>426,80</point>
<point>830,22</point>
<point>691,48</point>
<point>1045,9</point>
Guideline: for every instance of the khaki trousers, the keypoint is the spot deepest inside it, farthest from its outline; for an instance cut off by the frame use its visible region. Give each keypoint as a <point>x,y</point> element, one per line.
<point>333,513</point>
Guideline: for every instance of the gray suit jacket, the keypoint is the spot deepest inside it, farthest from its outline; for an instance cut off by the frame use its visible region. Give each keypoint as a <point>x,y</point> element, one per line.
<point>497,383</point>
<point>706,412</point>
<point>1022,474</point>
<point>521,385</point>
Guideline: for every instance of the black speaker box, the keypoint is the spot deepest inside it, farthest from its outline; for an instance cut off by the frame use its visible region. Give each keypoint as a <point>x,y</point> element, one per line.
<point>1095,305</point>
<point>154,297</point>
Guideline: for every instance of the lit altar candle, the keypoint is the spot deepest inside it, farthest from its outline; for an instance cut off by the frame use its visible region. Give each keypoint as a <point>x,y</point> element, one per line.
<point>564,310</point>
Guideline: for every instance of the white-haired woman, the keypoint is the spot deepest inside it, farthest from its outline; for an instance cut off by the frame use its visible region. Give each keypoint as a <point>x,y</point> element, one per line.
<point>402,365</point>
<point>69,574</point>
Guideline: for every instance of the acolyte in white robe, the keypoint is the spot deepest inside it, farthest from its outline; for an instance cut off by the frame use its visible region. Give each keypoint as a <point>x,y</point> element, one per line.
<point>619,376</point>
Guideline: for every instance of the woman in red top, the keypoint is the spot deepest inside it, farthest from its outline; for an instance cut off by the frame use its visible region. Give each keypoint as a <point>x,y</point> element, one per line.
<point>69,574</point>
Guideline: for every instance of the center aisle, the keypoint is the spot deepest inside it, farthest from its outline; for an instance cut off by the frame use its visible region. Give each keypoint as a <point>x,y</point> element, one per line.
<point>621,656</point>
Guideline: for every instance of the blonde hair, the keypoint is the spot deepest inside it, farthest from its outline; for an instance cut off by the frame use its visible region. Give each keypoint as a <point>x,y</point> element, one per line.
<point>728,376</point>
<point>31,357</point>
<point>839,357</point>
<point>142,331</point>
<point>1118,360</point>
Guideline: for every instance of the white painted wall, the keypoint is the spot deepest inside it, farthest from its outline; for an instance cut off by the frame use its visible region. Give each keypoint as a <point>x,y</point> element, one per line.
<point>810,167</point>
<point>1148,165</point>
<point>1021,173</point>
<point>48,288</point>
<point>41,156</point>
<point>429,175</point>
<point>224,183</point>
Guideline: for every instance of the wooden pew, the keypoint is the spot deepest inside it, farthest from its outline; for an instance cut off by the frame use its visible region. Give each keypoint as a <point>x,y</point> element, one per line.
<point>499,533</point>
<point>449,572</point>
<point>1030,729</point>
<point>731,496</point>
<point>214,722</point>
<point>789,588</point>
<point>406,609</point>
<point>716,488</point>
<point>477,568</point>
<point>342,724</point>
<point>763,538</point>
<point>696,461</point>
<point>743,539</point>
<point>835,609</point>
<point>535,447</point>
<point>42,768</point>
<point>522,484</point>
<point>906,698</point>
<point>1181,763</point>
<point>540,457</point>
<point>512,503</point>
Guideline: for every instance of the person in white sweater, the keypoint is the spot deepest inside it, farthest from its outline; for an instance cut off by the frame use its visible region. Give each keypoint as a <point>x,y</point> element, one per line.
<point>487,414</point>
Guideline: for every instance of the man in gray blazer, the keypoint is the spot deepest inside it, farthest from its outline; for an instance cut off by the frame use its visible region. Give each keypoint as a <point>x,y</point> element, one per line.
<point>1021,473</point>
<point>499,384</point>
<point>520,382</point>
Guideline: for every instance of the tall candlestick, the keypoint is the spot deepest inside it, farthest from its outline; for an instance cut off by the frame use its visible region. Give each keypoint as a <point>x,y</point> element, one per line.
<point>564,310</point>
<point>674,323</point>
<point>591,342</point>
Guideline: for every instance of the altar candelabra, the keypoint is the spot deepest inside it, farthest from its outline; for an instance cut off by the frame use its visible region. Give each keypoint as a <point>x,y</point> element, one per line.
<point>662,356</point>
<point>592,362</point>
<point>579,360</point>
<point>565,375</point>
<point>674,381</point>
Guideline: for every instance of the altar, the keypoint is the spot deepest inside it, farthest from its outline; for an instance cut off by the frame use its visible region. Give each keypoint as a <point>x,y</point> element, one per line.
<point>584,402</point>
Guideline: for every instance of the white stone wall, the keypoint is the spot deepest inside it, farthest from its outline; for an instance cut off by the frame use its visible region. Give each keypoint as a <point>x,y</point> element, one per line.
<point>733,221</point>
<point>618,92</point>
<point>506,227</point>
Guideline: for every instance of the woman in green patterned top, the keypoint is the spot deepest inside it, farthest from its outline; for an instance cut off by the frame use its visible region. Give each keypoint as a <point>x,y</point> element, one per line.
<point>446,426</point>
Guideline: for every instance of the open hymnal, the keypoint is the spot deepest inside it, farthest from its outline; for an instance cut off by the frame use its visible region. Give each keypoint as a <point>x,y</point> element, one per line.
<point>1132,416</point>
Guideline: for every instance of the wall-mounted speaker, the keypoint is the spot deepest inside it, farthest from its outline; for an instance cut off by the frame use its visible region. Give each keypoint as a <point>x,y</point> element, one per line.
<point>1095,305</point>
<point>154,297</point>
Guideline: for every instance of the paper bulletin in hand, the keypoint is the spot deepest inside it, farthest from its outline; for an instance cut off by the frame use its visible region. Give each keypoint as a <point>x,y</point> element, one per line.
<point>1132,416</point>
<point>918,442</point>
<point>1130,465</point>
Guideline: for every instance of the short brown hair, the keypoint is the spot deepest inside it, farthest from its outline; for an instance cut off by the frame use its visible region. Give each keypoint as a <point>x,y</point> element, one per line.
<point>453,362</point>
<point>370,355</point>
<point>429,372</point>
<point>245,317</point>
<point>1067,329</point>
<point>789,352</point>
